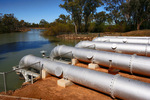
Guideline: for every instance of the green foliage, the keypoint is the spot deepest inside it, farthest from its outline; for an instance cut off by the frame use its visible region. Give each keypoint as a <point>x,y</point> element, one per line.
<point>74,7</point>
<point>59,28</point>
<point>81,9</point>
<point>91,27</point>
<point>138,11</point>
<point>43,23</point>
<point>115,28</point>
<point>90,8</point>
<point>9,23</point>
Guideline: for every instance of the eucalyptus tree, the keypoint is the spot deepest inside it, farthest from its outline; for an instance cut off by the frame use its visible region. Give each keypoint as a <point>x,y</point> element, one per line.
<point>130,11</point>
<point>10,23</point>
<point>139,11</point>
<point>43,23</point>
<point>90,8</point>
<point>74,8</point>
<point>63,19</point>
<point>114,8</point>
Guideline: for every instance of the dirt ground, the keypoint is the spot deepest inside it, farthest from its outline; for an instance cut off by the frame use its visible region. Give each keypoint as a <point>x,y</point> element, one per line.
<point>48,89</point>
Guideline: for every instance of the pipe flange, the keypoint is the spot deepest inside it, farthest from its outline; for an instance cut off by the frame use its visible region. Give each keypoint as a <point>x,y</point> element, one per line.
<point>131,63</point>
<point>112,85</point>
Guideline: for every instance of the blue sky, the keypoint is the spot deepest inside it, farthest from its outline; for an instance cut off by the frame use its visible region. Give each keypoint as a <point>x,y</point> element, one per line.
<point>34,10</point>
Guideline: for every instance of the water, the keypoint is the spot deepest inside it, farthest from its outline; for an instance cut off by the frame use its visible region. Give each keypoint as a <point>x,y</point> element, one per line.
<point>14,46</point>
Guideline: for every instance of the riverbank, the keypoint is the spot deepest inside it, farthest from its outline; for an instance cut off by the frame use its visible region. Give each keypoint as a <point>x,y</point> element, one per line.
<point>90,36</point>
<point>48,89</point>
<point>38,28</point>
<point>24,30</point>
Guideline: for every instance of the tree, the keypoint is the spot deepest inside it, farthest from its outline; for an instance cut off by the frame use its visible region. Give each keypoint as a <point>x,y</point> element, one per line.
<point>74,8</point>
<point>43,23</point>
<point>1,27</point>
<point>10,23</point>
<point>114,7</point>
<point>63,19</point>
<point>132,12</point>
<point>100,17</point>
<point>139,11</point>
<point>90,8</point>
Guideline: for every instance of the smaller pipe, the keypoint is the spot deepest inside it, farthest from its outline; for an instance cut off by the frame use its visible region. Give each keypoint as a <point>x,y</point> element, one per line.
<point>126,48</point>
<point>5,83</point>
<point>123,40</point>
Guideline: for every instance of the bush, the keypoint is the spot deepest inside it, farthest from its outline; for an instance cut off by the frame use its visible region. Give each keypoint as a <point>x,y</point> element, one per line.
<point>59,28</point>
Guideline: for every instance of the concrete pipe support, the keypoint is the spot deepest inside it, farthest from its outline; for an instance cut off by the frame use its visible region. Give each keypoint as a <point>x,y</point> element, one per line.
<point>114,85</point>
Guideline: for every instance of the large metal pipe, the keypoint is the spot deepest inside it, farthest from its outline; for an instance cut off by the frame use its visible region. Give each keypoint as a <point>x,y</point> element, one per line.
<point>124,40</point>
<point>126,48</point>
<point>125,62</point>
<point>126,37</point>
<point>114,85</point>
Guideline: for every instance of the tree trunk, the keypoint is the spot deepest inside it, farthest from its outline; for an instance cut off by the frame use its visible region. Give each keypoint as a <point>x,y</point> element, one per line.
<point>76,30</point>
<point>138,26</point>
<point>86,24</point>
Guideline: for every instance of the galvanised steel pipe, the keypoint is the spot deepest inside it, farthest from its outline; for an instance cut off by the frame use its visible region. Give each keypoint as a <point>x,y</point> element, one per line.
<point>114,85</point>
<point>126,37</point>
<point>130,63</point>
<point>126,48</point>
<point>123,40</point>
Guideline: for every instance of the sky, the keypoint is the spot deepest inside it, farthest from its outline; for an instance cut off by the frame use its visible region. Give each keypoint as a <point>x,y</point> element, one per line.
<point>33,11</point>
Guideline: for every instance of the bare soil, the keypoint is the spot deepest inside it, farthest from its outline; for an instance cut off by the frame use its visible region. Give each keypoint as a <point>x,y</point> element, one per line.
<point>90,36</point>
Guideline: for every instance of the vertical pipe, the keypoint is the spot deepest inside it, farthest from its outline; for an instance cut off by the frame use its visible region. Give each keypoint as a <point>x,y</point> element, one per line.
<point>31,78</point>
<point>5,83</point>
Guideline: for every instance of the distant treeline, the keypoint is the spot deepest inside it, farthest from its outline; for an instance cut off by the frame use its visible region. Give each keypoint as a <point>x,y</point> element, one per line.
<point>9,23</point>
<point>119,16</point>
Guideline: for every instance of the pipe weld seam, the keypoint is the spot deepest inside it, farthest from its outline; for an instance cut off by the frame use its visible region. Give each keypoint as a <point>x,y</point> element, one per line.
<point>112,85</point>
<point>131,63</point>
<point>148,41</point>
<point>146,50</point>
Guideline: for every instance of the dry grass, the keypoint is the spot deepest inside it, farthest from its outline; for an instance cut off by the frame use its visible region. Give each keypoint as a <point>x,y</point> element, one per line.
<point>90,36</point>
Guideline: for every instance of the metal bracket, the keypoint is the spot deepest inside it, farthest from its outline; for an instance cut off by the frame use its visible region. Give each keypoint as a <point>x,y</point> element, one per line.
<point>94,47</point>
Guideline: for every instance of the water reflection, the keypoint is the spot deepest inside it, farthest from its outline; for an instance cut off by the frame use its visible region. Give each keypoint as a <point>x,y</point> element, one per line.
<point>58,41</point>
<point>18,46</point>
<point>2,58</point>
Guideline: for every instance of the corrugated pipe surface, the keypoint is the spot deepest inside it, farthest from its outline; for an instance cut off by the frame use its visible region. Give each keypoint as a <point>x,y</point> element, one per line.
<point>124,40</point>
<point>125,62</point>
<point>126,48</point>
<point>114,85</point>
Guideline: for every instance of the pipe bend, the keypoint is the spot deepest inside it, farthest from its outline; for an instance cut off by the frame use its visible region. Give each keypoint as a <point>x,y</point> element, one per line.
<point>86,44</point>
<point>55,52</point>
